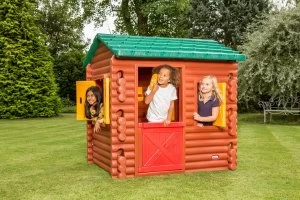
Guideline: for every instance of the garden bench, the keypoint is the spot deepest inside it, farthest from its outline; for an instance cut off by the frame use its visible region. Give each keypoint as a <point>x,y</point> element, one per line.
<point>278,107</point>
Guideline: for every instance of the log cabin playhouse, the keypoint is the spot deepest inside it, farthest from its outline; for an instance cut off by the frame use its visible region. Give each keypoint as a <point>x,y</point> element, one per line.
<point>129,146</point>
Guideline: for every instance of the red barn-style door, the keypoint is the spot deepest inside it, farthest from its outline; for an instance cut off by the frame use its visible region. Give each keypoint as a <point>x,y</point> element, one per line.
<point>162,147</point>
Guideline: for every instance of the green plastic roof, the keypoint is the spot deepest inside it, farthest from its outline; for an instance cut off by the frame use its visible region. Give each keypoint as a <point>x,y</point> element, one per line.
<point>126,46</point>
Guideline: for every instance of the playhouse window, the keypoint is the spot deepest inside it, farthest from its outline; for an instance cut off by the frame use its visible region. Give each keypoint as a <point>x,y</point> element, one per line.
<point>144,77</point>
<point>81,87</point>
<point>221,119</point>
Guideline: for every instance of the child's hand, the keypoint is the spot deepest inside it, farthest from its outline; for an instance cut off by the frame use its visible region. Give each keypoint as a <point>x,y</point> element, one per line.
<point>155,87</point>
<point>167,122</point>
<point>97,128</point>
<point>196,116</point>
<point>200,124</point>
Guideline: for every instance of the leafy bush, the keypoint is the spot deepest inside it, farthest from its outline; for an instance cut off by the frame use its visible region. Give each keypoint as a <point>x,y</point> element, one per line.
<point>68,106</point>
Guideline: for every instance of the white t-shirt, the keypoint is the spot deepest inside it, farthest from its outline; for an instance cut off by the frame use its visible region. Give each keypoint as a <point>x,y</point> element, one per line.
<point>160,104</point>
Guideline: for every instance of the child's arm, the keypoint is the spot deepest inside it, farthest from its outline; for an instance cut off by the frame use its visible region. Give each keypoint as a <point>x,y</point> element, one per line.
<point>213,117</point>
<point>99,121</point>
<point>170,112</point>
<point>149,97</point>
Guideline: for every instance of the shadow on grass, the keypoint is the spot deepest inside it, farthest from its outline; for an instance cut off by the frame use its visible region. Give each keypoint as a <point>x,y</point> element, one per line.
<point>258,118</point>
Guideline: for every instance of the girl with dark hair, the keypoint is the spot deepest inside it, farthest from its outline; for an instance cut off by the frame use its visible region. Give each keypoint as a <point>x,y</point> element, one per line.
<point>94,107</point>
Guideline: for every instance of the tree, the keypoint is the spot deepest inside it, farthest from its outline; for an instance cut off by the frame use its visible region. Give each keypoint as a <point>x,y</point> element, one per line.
<point>272,68</point>
<point>27,83</point>
<point>152,18</point>
<point>64,40</point>
<point>223,20</point>
<point>141,17</point>
<point>64,31</point>
<point>68,70</point>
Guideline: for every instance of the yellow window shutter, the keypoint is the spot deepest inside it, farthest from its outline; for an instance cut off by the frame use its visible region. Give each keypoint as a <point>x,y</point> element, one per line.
<point>81,87</point>
<point>221,120</point>
<point>140,94</point>
<point>106,97</point>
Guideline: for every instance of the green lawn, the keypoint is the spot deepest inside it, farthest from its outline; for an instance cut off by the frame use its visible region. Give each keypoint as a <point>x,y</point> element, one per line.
<point>46,159</point>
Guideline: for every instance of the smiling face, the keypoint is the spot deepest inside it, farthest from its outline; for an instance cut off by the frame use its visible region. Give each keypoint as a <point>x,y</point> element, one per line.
<point>206,86</point>
<point>91,98</point>
<point>163,77</point>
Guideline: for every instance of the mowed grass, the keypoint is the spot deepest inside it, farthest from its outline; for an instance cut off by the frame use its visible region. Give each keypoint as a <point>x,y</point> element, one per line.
<point>46,159</point>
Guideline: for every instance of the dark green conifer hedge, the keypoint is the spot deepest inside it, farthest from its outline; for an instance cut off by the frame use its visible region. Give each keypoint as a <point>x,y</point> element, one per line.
<point>27,84</point>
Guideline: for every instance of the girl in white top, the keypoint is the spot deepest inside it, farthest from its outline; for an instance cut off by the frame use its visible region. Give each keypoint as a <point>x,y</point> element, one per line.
<point>163,94</point>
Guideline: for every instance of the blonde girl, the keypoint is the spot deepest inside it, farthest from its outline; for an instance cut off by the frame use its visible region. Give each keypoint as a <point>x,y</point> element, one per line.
<point>209,101</point>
